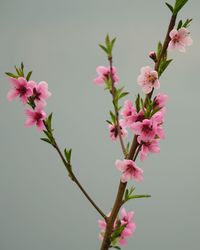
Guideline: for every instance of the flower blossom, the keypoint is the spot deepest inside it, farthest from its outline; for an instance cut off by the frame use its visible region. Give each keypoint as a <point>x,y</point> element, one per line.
<point>104,74</point>
<point>127,220</point>
<point>130,115</point>
<point>148,147</point>
<point>148,79</point>
<point>113,130</point>
<point>146,129</point>
<point>21,88</point>
<point>40,92</point>
<point>179,39</point>
<point>36,117</point>
<point>129,170</point>
<point>160,100</point>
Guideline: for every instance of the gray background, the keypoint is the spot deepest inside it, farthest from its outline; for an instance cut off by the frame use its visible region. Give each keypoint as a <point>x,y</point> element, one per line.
<point>40,208</point>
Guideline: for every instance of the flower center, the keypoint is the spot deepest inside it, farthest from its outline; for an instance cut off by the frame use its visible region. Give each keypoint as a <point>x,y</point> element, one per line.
<point>146,128</point>
<point>152,78</point>
<point>36,94</point>
<point>38,116</point>
<point>22,90</point>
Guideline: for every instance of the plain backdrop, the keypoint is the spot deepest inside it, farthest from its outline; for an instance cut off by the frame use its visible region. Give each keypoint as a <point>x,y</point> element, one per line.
<point>40,208</point>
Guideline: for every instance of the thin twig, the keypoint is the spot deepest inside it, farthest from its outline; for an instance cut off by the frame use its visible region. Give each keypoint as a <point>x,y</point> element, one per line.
<point>73,177</point>
<point>113,92</point>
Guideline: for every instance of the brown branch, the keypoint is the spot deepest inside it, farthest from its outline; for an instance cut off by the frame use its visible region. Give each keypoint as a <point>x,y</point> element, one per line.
<point>132,153</point>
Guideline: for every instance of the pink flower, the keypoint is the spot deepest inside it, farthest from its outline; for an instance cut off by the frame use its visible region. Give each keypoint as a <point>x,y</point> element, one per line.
<point>127,219</point>
<point>40,92</point>
<point>148,79</point>
<point>146,129</point>
<point>179,39</point>
<point>128,113</point>
<point>104,75</point>
<point>148,147</point>
<point>36,117</point>
<point>114,131</point>
<point>21,88</point>
<point>129,170</point>
<point>160,100</point>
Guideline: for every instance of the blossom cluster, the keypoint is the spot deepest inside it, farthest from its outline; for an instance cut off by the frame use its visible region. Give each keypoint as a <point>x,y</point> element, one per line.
<point>31,93</point>
<point>122,228</point>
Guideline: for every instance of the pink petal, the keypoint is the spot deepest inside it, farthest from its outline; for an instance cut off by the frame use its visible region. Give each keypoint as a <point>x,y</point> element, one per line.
<point>101,70</point>
<point>29,122</point>
<point>120,165</point>
<point>12,94</point>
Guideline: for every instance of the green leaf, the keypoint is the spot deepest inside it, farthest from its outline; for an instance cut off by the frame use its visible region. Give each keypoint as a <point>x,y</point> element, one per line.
<point>164,64</point>
<point>137,103</point>
<point>116,247</point>
<point>109,122</point>
<point>123,95</point>
<point>178,6</point>
<point>159,49</point>
<point>29,75</point>
<point>103,48</point>
<point>170,7</point>
<point>179,24</point>
<point>46,140</point>
<point>113,118</point>
<point>126,194</point>
<point>11,75</point>
<point>112,43</point>
<point>139,196</point>
<point>22,66</point>
<point>127,147</point>
<point>187,23</point>
<point>107,41</point>
<point>117,232</point>
<point>18,71</point>
<point>48,134</point>
<point>68,155</point>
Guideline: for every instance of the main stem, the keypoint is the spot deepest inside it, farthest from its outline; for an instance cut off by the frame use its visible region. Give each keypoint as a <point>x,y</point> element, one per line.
<point>132,153</point>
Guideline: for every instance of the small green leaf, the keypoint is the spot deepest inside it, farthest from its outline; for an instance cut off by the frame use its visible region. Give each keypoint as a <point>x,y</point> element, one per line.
<point>109,122</point>
<point>164,64</point>
<point>179,24</point>
<point>116,247</point>
<point>126,194</point>
<point>18,71</point>
<point>117,232</point>
<point>170,7</point>
<point>113,118</point>
<point>137,103</point>
<point>178,6</point>
<point>29,75</point>
<point>123,94</point>
<point>68,155</point>
<point>112,43</point>
<point>187,23</point>
<point>11,75</point>
<point>139,196</point>
<point>103,48</point>
<point>159,49</point>
<point>46,140</point>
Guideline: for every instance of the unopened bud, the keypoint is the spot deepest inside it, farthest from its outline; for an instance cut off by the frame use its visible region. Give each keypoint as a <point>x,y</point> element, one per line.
<point>152,55</point>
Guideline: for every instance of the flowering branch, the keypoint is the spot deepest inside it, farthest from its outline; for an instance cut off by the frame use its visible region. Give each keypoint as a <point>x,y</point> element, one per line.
<point>34,95</point>
<point>145,120</point>
<point>161,63</point>
<point>67,162</point>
